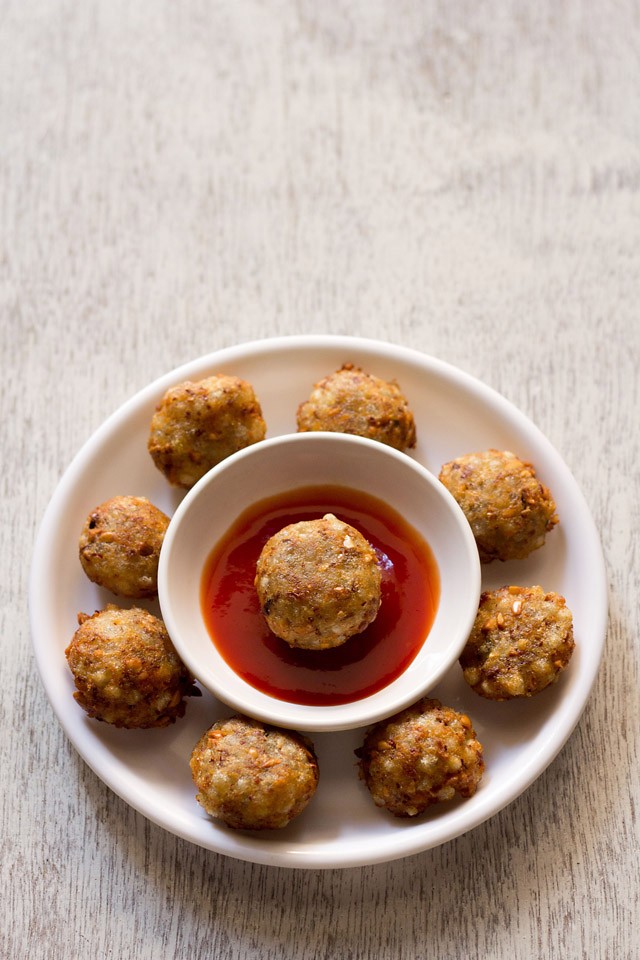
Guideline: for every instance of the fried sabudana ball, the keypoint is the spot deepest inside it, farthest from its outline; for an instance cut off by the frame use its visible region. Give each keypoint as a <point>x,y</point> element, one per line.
<point>509,510</point>
<point>425,754</point>
<point>198,424</point>
<point>120,546</point>
<point>318,583</point>
<point>252,776</point>
<point>521,640</point>
<point>352,401</point>
<point>126,669</point>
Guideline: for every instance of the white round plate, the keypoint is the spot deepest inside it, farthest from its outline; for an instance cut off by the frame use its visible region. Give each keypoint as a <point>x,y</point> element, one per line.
<point>341,827</point>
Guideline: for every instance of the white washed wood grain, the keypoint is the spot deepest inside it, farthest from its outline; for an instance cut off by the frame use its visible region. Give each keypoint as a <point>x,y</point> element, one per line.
<point>462,178</point>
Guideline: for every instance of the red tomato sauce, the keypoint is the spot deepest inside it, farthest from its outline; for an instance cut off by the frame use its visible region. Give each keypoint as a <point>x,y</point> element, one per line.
<point>366,662</point>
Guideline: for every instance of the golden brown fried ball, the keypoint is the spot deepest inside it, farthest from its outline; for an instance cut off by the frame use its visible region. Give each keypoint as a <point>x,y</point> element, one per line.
<point>521,640</point>
<point>318,582</point>
<point>120,546</point>
<point>423,755</point>
<point>196,425</point>
<point>507,507</point>
<point>252,776</point>
<point>126,669</point>
<point>352,401</point>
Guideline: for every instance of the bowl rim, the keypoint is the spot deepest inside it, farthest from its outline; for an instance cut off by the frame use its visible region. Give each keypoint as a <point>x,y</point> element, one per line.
<point>252,702</point>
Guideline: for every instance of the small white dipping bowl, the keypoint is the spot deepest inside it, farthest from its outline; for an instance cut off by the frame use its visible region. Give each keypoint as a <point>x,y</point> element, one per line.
<point>284,464</point>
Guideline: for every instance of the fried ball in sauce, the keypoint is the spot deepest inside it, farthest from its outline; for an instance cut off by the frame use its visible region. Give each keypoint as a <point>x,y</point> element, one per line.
<point>126,669</point>
<point>425,754</point>
<point>352,401</point>
<point>521,640</point>
<point>198,424</point>
<point>508,509</point>
<point>318,583</point>
<point>252,776</point>
<point>120,546</point>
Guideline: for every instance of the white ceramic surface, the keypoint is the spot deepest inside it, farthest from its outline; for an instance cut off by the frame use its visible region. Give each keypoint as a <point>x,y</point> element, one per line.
<point>280,465</point>
<point>455,413</point>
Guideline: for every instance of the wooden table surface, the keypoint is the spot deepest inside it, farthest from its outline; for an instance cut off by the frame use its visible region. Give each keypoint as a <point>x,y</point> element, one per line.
<point>460,178</point>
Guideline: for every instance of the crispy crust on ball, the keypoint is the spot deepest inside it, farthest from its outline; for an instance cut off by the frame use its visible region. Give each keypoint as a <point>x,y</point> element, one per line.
<point>318,583</point>
<point>198,424</point>
<point>352,401</point>
<point>120,546</point>
<point>521,641</point>
<point>253,776</point>
<point>126,669</point>
<point>423,755</point>
<point>509,510</point>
